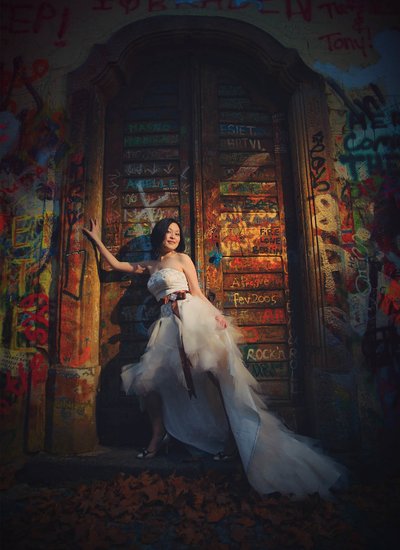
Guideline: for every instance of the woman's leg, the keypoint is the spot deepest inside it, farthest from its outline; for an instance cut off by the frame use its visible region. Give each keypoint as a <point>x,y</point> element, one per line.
<point>229,445</point>
<point>153,406</point>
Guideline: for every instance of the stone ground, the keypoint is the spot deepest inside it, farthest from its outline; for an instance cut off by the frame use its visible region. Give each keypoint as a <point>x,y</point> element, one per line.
<point>108,499</point>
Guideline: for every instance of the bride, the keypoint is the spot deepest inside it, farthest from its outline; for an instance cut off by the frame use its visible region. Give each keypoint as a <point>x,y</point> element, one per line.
<point>195,386</point>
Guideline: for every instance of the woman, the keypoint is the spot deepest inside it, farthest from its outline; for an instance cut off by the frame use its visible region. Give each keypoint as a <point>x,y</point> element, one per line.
<point>196,387</point>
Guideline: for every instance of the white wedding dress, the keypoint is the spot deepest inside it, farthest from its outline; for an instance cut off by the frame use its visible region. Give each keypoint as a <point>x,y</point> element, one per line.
<point>273,457</point>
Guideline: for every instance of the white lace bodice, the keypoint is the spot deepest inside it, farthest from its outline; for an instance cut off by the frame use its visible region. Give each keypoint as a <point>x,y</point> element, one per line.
<point>166,281</point>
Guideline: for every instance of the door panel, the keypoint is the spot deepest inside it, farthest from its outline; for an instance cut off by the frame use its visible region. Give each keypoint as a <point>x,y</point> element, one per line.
<point>147,174</point>
<point>245,255</point>
<point>147,170</point>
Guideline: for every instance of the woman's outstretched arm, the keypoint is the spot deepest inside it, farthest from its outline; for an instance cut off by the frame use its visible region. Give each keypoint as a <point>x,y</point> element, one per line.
<point>94,234</point>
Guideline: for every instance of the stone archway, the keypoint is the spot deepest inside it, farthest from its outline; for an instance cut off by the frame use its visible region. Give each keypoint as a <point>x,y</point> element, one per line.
<point>73,380</point>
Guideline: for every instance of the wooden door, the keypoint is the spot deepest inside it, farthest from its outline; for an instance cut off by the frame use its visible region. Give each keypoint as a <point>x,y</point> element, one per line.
<point>195,137</point>
<point>244,249</point>
<point>148,170</point>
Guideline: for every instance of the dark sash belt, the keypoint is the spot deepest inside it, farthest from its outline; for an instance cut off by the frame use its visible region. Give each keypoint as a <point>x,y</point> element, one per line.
<point>185,362</point>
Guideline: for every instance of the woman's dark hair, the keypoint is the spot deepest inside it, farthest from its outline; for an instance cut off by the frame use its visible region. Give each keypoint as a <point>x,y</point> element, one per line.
<point>158,234</point>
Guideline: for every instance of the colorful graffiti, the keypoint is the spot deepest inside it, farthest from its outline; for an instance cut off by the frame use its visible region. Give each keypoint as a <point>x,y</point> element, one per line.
<point>22,19</point>
<point>58,20</point>
<point>359,238</point>
<point>20,373</point>
<point>32,145</point>
<point>354,205</point>
<point>319,175</point>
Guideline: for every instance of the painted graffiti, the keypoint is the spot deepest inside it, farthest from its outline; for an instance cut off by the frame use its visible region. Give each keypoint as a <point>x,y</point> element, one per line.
<point>370,157</point>
<point>251,240</point>
<point>19,371</point>
<point>253,281</point>
<point>356,233</point>
<point>253,334</point>
<point>32,145</point>
<point>245,144</point>
<point>319,176</point>
<point>151,185</point>
<point>248,187</point>
<point>150,154</point>
<point>253,299</point>
<point>369,111</point>
<point>336,41</point>
<point>152,169</point>
<point>152,126</point>
<point>75,257</point>
<point>265,352</point>
<point>149,214</point>
<point>243,130</point>
<point>368,160</point>
<point>138,200</point>
<point>58,18</point>
<point>261,219</point>
<point>33,320</point>
<point>269,370</point>
<point>252,264</point>
<point>268,204</point>
<point>21,76</point>
<point>143,141</point>
<point>21,19</point>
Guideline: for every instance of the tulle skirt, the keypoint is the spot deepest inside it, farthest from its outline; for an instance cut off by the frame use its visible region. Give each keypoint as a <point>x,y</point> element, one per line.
<point>274,458</point>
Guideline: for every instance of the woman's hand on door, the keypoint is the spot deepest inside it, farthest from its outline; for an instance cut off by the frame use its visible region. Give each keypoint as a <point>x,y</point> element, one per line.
<point>94,231</point>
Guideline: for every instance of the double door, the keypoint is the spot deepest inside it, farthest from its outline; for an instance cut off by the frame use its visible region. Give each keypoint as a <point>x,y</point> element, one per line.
<point>200,138</point>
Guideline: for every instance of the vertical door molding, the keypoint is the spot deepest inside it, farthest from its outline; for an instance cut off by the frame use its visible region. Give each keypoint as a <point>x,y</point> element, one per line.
<point>288,220</point>
<point>198,160</point>
<point>301,139</point>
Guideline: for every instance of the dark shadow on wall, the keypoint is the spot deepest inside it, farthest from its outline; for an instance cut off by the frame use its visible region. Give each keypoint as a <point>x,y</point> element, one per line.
<point>120,420</point>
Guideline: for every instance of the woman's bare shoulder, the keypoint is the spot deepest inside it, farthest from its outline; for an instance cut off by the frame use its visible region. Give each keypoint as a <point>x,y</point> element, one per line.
<point>184,259</point>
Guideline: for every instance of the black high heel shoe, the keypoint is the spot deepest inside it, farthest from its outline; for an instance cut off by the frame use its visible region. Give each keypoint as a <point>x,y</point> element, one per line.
<point>162,446</point>
<point>225,457</point>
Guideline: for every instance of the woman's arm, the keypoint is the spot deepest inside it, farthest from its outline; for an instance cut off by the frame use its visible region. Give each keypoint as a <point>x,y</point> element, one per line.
<point>191,276</point>
<point>94,234</point>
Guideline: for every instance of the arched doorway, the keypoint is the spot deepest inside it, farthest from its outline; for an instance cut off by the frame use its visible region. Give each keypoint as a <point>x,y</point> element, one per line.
<point>196,135</point>
<point>196,123</point>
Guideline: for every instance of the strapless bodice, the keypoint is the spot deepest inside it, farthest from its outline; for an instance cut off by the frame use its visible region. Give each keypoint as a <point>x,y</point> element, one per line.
<point>166,281</point>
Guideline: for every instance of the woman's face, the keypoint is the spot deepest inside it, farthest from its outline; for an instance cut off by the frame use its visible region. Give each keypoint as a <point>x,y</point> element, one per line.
<point>172,238</point>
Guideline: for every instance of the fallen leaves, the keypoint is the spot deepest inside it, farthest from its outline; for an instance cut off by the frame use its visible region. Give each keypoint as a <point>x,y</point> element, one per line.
<point>151,511</point>
<point>215,514</point>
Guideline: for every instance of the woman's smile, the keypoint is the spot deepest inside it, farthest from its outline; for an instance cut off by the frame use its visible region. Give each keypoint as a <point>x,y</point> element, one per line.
<point>172,237</point>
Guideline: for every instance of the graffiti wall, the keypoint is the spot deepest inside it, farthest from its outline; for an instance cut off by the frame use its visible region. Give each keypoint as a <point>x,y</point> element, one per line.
<point>353,165</point>
<point>363,313</point>
<point>32,147</point>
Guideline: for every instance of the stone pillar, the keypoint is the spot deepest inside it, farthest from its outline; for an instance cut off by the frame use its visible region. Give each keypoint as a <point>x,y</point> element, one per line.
<point>73,378</point>
<point>330,381</point>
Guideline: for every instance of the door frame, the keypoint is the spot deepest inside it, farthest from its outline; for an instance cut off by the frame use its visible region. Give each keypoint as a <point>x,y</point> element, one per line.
<point>90,87</point>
